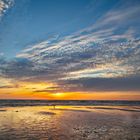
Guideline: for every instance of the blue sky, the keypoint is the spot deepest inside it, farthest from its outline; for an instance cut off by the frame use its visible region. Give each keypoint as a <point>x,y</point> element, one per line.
<point>28,22</point>
<point>80,45</point>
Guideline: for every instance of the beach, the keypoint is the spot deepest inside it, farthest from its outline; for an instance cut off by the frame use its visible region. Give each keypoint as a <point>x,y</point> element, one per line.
<point>70,123</point>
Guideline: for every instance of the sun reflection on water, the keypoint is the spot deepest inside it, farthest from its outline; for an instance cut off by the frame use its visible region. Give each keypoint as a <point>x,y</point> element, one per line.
<point>64,122</point>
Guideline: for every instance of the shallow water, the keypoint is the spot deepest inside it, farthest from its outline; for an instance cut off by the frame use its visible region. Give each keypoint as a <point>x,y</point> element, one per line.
<point>70,123</point>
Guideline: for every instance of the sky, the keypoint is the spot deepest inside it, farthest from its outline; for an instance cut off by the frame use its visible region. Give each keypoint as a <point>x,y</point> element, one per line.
<point>70,49</point>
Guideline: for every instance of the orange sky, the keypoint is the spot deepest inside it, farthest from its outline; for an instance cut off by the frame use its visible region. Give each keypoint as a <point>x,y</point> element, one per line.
<point>27,93</point>
<point>27,90</point>
<point>72,96</point>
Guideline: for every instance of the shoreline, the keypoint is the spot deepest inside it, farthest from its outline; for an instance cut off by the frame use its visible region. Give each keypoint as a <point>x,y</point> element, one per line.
<point>20,103</point>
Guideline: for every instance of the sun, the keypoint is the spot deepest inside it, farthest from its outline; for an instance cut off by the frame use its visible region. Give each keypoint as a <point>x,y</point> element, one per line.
<point>58,94</point>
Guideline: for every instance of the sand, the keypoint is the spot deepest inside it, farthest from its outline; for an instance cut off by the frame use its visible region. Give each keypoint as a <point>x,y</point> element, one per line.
<point>70,123</point>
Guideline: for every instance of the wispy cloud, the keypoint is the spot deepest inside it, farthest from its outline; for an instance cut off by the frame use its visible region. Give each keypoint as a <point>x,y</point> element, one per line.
<point>108,51</point>
<point>5,5</point>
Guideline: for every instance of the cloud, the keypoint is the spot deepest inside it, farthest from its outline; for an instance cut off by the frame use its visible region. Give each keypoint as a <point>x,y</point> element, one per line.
<point>8,87</point>
<point>101,84</point>
<point>4,5</point>
<point>105,56</point>
<point>15,68</point>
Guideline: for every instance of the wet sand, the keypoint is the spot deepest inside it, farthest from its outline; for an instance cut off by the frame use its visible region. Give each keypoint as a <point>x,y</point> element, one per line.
<point>70,123</point>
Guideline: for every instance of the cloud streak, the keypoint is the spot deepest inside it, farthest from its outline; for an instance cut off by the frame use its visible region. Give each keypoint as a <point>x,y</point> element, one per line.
<point>5,5</point>
<point>103,57</point>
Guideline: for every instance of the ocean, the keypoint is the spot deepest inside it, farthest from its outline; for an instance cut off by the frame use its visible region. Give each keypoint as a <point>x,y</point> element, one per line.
<point>68,102</point>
